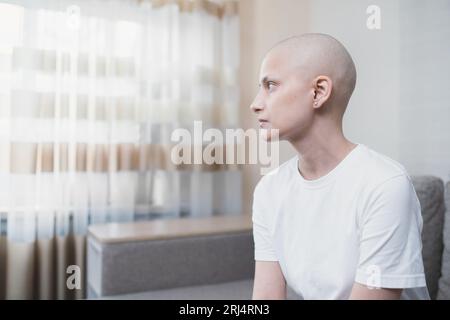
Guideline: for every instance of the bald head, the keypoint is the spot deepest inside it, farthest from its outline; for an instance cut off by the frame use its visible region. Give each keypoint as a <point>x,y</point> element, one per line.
<point>316,55</point>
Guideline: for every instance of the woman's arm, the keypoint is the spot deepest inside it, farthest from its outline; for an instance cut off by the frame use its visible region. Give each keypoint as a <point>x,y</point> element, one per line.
<point>361,292</point>
<point>269,283</point>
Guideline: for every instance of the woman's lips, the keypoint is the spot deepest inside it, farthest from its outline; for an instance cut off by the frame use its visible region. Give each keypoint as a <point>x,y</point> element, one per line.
<point>263,123</point>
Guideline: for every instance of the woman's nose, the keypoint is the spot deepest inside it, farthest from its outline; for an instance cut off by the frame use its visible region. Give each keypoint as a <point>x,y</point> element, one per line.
<point>257,105</point>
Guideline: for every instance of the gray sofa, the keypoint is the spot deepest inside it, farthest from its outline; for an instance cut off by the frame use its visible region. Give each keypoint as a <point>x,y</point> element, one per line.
<point>221,266</point>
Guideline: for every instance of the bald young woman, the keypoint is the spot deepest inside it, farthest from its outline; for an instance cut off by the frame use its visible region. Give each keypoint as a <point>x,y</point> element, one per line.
<point>339,220</point>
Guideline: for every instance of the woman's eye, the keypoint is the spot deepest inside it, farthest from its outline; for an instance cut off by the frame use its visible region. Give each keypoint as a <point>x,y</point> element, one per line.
<point>270,86</point>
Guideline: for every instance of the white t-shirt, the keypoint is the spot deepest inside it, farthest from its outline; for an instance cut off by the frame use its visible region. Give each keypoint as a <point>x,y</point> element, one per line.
<point>361,222</point>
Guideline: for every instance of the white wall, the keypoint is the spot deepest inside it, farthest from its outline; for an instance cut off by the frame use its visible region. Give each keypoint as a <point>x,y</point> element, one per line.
<point>424,109</point>
<point>401,104</point>
<point>372,115</point>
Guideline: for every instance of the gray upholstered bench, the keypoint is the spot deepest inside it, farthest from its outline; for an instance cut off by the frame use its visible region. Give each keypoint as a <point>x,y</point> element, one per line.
<point>151,256</point>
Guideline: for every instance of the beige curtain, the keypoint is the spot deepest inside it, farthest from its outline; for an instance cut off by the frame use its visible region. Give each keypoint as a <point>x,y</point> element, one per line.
<point>90,92</point>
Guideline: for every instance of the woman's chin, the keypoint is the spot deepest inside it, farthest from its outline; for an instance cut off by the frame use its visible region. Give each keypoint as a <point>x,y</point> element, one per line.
<point>269,134</point>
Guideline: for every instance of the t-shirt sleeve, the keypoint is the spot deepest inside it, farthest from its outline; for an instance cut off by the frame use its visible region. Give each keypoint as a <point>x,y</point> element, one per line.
<point>262,235</point>
<point>390,237</point>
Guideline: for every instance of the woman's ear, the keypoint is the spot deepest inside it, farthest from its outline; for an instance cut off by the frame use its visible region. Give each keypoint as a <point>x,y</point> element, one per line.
<point>322,90</point>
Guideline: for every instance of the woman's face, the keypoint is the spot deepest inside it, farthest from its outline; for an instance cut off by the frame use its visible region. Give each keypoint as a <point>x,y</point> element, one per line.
<point>285,99</point>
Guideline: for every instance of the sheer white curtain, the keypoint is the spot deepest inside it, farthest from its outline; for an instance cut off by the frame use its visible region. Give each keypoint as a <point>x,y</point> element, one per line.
<point>90,92</point>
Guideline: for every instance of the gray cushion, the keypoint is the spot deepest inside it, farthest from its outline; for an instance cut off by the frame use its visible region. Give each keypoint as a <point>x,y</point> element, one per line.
<point>125,267</point>
<point>234,290</point>
<point>430,191</point>
<point>444,281</point>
